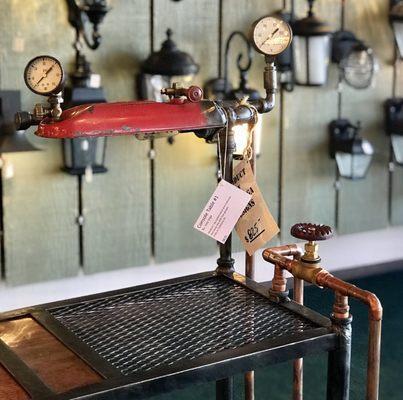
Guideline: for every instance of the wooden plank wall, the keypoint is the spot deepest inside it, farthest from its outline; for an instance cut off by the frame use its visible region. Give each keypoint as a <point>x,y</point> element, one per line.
<point>308,180</point>
<point>117,204</point>
<point>363,204</point>
<point>40,202</point>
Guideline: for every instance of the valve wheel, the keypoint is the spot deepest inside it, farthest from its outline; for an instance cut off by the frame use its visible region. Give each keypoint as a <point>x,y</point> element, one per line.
<point>311,232</point>
<point>194,94</point>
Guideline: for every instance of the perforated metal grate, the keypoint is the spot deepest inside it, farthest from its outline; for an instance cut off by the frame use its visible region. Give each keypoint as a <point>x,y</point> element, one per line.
<point>140,330</point>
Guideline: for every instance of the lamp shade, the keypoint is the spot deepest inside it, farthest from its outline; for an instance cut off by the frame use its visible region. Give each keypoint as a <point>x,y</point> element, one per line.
<point>163,67</point>
<point>311,50</point>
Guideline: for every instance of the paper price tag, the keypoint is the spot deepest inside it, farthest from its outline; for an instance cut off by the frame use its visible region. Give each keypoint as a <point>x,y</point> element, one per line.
<point>222,211</point>
<point>256,226</point>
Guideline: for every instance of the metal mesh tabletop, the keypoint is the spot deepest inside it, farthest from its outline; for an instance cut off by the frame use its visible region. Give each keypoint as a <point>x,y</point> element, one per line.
<point>144,329</point>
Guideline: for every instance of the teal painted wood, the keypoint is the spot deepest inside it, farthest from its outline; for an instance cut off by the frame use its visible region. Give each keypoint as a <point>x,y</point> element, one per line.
<point>363,204</point>
<point>267,166</point>
<point>39,217</point>
<point>185,172</point>
<point>309,173</point>
<point>117,206</point>
<point>40,202</point>
<point>396,217</point>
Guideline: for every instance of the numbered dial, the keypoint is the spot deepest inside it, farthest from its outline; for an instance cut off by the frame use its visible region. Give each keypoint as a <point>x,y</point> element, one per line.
<point>44,75</point>
<point>271,36</point>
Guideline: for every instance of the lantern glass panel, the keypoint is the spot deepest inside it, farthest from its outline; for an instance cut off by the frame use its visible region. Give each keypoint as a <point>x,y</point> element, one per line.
<point>398,32</point>
<point>311,57</point>
<point>84,152</point>
<point>397,145</point>
<point>353,166</point>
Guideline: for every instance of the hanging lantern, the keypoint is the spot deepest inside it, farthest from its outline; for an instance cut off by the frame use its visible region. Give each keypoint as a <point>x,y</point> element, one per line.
<point>394,126</point>
<point>164,67</point>
<point>352,153</point>
<point>311,49</point>
<point>396,20</point>
<point>284,61</point>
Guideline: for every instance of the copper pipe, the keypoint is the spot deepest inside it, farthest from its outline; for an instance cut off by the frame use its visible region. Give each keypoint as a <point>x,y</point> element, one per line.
<point>298,379</point>
<point>341,309</point>
<point>319,276</point>
<point>326,279</point>
<point>249,377</point>
<point>279,282</point>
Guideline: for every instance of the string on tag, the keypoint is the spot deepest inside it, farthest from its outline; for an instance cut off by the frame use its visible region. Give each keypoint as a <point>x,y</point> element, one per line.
<point>248,151</point>
<point>222,170</point>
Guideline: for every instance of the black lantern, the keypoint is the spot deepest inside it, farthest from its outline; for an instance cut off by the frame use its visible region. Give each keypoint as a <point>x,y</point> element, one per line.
<point>352,153</point>
<point>164,67</point>
<point>221,89</point>
<point>84,156</point>
<point>284,61</point>
<point>394,126</point>
<point>93,11</point>
<point>396,20</point>
<point>311,49</point>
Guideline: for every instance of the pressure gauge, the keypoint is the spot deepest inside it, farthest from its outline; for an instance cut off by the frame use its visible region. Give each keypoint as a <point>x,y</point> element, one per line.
<point>271,35</point>
<point>44,75</point>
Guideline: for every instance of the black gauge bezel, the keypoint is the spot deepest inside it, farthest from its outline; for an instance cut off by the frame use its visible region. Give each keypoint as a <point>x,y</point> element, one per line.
<point>59,87</point>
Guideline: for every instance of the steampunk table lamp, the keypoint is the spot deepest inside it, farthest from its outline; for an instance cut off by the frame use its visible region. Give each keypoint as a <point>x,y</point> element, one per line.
<point>140,341</point>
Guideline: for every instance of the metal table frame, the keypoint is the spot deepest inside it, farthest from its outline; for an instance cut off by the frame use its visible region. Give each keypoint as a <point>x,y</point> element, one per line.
<point>166,378</point>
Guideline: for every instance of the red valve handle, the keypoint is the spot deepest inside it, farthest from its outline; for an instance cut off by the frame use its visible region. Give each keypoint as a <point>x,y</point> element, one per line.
<point>194,94</point>
<point>311,232</point>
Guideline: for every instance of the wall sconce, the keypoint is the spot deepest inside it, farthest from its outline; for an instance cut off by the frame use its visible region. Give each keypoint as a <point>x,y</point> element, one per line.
<point>356,60</point>
<point>394,126</point>
<point>84,156</point>
<point>11,140</point>
<point>396,20</point>
<point>88,10</point>
<point>311,49</point>
<point>164,67</point>
<point>221,89</point>
<point>284,61</point>
<point>352,153</point>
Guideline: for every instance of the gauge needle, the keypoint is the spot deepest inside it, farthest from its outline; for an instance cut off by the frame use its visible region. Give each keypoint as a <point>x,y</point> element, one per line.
<point>271,36</point>
<point>44,75</point>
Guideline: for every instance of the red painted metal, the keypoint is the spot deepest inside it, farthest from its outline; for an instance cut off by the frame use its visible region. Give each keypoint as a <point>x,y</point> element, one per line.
<point>132,118</point>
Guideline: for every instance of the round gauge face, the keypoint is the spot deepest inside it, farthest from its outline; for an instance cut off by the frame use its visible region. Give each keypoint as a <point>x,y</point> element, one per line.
<point>44,75</point>
<point>271,36</point>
